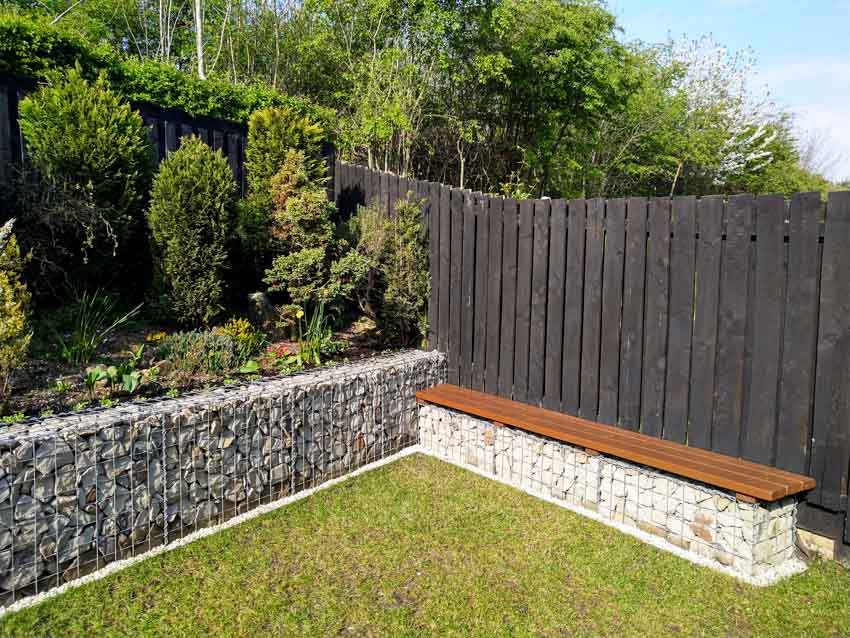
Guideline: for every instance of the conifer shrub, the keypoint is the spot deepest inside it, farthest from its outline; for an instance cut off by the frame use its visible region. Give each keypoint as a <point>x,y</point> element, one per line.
<point>191,219</point>
<point>14,300</point>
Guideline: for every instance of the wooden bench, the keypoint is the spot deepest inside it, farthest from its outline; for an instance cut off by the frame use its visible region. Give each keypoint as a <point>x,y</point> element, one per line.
<point>750,481</point>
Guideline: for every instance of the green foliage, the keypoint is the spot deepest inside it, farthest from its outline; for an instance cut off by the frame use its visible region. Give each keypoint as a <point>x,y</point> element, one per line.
<point>91,378</point>
<point>92,161</point>
<point>395,290</point>
<point>191,219</point>
<point>245,335</point>
<point>14,312</point>
<point>202,352</point>
<point>95,318</point>
<point>32,47</point>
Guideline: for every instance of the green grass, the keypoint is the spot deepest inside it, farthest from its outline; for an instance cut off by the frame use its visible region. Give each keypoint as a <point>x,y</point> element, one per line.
<point>420,547</point>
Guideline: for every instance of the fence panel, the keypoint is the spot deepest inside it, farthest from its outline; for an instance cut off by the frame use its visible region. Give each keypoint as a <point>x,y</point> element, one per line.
<point>720,324</point>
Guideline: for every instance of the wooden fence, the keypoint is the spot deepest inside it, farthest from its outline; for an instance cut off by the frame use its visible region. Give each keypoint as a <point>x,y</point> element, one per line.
<point>720,323</point>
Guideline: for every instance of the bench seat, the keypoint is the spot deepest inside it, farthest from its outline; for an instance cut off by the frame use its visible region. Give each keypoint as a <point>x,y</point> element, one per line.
<point>750,481</point>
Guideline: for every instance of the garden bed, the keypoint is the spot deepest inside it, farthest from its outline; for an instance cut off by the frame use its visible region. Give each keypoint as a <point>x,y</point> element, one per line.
<point>420,547</point>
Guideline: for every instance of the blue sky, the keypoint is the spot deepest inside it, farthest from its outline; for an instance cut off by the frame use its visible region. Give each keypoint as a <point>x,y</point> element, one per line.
<point>802,48</point>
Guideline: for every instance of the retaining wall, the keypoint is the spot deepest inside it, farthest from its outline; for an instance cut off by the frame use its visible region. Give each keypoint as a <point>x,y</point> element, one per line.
<point>77,492</point>
<point>754,540</point>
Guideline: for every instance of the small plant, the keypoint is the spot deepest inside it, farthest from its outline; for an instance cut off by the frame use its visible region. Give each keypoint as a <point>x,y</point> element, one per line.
<point>250,367</point>
<point>14,299</point>
<point>107,403</point>
<point>95,319</point>
<point>45,413</point>
<point>280,356</point>
<point>156,337</point>
<point>92,377</point>
<point>62,386</point>
<point>202,352</point>
<point>172,393</point>
<point>9,419</point>
<point>312,336</point>
<point>131,381</point>
<point>79,406</point>
<point>244,334</point>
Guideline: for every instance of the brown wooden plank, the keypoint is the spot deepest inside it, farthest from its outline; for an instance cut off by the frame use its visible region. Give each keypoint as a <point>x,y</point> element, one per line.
<point>525,251</point>
<point>740,476</point>
<point>510,227</point>
<point>631,354</point>
<point>656,309</point>
<point>732,326</point>
<point>612,310</point>
<point>830,434</point>
<point>455,279</point>
<point>706,301</point>
<point>592,312</point>
<point>467,290</point>
<point>682,265</point>
<point>443,307</point>
<point>573,306</point>
<point>796,397</point>
<point>482,274</point>
<point>539,294</point>
<point>759,434</point>
<point>494,296</point>
<point>531,415</point>
<point>555,305</point>
<point>433,190</point>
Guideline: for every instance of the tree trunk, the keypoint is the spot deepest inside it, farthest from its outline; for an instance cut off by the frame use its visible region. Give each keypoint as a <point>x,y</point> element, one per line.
<point>198,6</point>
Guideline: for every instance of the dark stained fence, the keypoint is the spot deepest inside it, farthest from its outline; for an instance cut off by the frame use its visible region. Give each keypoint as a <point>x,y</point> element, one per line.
<point>720,323</point>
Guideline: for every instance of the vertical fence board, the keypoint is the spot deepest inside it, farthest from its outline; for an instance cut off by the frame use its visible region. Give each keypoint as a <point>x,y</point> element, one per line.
<point>443,303</point>
<point>592,315</point>
<point>573,305</point>
<point>456,271</point>
<point>555,305</point>
<point>467,290</point>
<point>525,250</point>
<point>482,265</point>
<point>760,424</point>
<point>830,433</point>
<point>631,357</point>
<point>510,226</point>
<point>494,296</point>
<point>539,282</point>
<point>707,299</point>
<point>6,118</point>
<point>170,137</point>
<point>732,327</point>
<point>434,243</point>
<point>682,263</point>
<point>612,309</point>
<point>656,308</point>
<point>800,337</point>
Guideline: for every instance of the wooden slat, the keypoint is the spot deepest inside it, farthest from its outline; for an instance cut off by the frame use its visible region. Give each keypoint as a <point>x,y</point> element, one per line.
<point>434,223</point>
<point>525,251</point>
<point>171,137</point>
<point>443,318</point>
<point>233,142</point>
<point>656,309</point>
<point>760,424</point>
<point>555,305</point>
<point>800,335</point>
<point>831,438</point>
<point>707,299</point>
<point>732,326</point>
<point>494,296</point>
<point>510,227</point>
<point>592,315</point>
<point>631,357</point>
<point>455,279</point>
<point>6,119</point>
<point>573,305</point>
<point>467,290</point>
<point>482,273</point>
<point>682,263</point>
<point>218,139</point>
<point>740,476</point>
<point>612,310</point>
<point>539,284</point>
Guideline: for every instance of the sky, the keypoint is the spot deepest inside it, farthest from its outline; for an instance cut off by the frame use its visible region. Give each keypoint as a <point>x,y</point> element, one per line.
<point>802,48</point>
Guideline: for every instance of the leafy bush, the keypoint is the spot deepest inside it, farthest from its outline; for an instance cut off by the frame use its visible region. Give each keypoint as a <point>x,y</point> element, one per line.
<point>32,47</point>
<point>92,160</point>
<point>191,220</point>
<point>14,299</point>
<point>202,352</point>
<point>395,290</point>
<point>247,337</point>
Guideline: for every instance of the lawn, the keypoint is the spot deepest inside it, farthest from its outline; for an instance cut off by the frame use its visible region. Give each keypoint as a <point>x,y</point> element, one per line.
<point>420,547</point>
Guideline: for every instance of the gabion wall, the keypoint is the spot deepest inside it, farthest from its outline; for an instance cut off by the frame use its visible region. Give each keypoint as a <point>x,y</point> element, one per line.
<point>77,492</point>
<point>752,539</point>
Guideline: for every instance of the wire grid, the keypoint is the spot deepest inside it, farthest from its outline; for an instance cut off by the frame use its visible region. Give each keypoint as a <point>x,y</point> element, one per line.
<point>691,515</point>
<point>142,480</point>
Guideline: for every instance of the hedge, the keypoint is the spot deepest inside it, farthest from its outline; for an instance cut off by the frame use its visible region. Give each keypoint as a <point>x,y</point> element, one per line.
<point>30,47</point>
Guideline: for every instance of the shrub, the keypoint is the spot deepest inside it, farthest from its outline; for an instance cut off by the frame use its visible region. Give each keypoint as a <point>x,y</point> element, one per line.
<point>249,340</point>
<point>92,161</point>
<point>395,289</point>
<point>202,352</point>
<point>191,220</point>
<point>14,299</point>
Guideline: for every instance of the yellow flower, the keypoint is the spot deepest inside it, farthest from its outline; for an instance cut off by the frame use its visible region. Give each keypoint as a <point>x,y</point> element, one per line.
<point>156,337</point>
<point>300,313</point>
